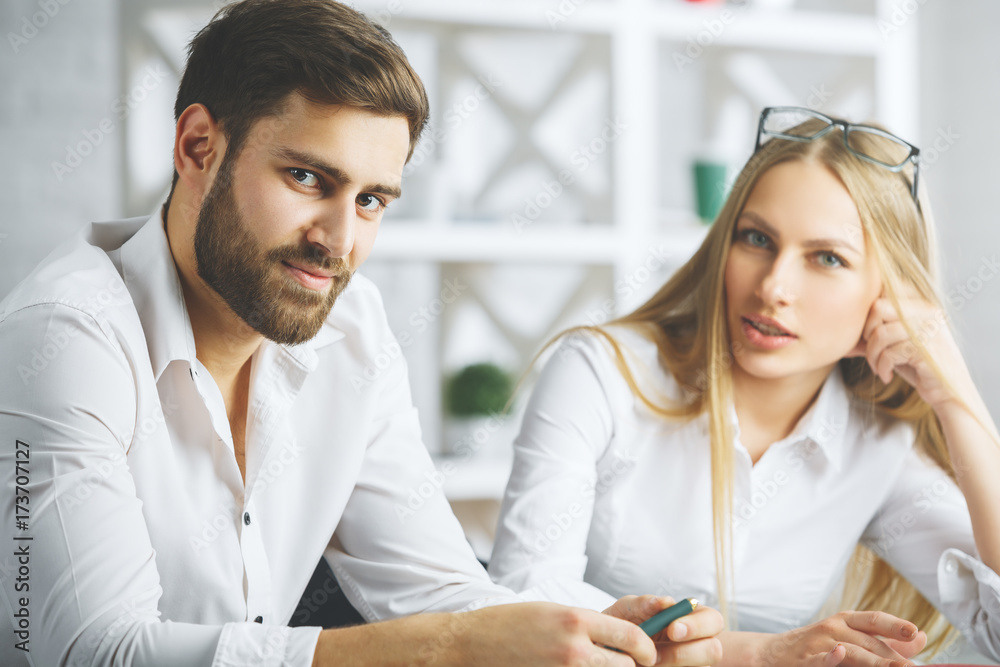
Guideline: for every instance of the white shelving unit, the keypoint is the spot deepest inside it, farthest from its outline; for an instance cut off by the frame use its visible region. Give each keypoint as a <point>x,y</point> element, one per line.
<point>627,46</point>
<point>468,243</point>
<point>640,34</point>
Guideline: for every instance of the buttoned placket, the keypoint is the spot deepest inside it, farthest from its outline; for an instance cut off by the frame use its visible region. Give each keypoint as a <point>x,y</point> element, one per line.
<point>277,377</point>
<point>257,571</point>
<point>749,487</point>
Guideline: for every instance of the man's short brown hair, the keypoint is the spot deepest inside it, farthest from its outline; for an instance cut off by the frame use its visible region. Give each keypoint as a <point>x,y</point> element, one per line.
<point>254,53</point>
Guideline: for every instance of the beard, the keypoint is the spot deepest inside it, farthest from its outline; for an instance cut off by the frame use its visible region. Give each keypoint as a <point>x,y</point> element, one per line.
<point>251,279</point>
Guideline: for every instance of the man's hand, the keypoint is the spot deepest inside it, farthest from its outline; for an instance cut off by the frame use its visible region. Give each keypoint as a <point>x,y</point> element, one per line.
<point>543,634</point>
<point>689,641</point>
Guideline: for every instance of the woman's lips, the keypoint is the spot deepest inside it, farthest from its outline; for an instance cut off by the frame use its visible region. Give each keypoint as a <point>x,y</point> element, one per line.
<point>768,341</point>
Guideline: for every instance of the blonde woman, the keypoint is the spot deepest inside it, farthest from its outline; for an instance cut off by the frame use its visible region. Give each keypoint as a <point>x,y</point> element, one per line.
<point>786,428</point>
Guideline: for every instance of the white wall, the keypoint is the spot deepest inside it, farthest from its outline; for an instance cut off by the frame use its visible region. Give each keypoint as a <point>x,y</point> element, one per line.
<point>57,87</point>
<point>960,93</point>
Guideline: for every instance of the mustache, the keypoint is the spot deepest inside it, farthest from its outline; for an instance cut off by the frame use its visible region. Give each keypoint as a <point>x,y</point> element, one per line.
<point>311,257</point>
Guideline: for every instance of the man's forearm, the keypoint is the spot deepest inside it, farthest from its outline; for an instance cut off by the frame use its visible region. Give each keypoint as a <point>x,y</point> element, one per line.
<point>425,639</point>
<point>540,634</point>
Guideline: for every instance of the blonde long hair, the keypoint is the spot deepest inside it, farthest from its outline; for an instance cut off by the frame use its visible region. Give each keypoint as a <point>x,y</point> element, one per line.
<point>687,320</point>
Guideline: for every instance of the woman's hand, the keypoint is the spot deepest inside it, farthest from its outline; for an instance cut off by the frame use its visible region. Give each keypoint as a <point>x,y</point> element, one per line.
<point>850,639</point>
<point>889,349</point>
<point>970,434</point>
<point>689,641</point>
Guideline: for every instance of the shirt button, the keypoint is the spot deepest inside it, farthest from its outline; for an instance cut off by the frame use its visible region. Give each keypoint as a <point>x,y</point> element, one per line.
<point>259,619</point>
<point>951,566</point>
<point>246,518</point>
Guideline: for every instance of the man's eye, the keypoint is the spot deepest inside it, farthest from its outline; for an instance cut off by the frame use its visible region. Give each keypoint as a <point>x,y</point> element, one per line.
<point>306,178</point>
<point>370,203</point>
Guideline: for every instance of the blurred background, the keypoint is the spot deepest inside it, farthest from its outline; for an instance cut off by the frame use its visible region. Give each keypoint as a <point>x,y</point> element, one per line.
<point>574,149</point>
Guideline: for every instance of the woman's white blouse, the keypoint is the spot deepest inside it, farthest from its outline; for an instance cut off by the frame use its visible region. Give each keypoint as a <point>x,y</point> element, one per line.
<point>607,499</point>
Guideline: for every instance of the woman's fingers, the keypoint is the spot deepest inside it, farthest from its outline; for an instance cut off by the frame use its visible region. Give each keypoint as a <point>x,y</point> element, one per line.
<point>909,648</point>
<point>894,357</point>
<point>880,623</point>
<point>834,657</point>
<point>881,311</point>
<point>690,640</point>
<point>887,348</point>
<point>870,645</point>
<point>890,346</point>
<point>637,608</point>
<point>699,624</point>
<point>873,624</point>
<point>856,656</point>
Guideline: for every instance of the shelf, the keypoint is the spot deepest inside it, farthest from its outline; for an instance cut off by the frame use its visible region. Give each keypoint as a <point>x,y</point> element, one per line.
<point>807,31</point>
<point>481,242</point>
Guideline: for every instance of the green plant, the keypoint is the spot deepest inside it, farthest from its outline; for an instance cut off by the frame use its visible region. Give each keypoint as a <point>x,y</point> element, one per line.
<point>479,389</point>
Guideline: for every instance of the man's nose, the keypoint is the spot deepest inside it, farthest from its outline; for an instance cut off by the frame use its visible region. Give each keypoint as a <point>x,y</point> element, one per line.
<point>335,229</point>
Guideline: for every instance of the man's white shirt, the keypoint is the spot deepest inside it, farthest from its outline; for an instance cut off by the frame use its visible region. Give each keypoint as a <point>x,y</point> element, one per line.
<point>145,546</point>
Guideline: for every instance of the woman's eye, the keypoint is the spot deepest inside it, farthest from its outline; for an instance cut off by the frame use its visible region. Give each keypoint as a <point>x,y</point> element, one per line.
<point>304,177</point>
<point>370,203</point>
<point>829,259</point>
<point>755,238</point>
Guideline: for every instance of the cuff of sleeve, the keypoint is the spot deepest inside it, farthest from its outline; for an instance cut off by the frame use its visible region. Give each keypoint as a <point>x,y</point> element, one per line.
<point>575,593</point>
<point>961,575</point>
<point>255,645</point>
<point>493,601</point>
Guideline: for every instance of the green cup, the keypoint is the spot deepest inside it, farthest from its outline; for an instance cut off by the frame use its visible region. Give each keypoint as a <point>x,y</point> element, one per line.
<point>709,188</point>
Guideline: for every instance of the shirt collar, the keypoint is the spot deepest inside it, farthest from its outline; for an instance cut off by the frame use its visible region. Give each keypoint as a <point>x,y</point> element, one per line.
<point>824,424</point>
<point>150,275</point>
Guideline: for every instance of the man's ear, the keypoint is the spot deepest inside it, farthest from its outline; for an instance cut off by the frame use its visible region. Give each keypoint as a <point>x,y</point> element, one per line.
<point>199,147</point>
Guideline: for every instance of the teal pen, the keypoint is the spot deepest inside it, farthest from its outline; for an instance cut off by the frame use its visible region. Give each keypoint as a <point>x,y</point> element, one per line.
<point>655,625</point>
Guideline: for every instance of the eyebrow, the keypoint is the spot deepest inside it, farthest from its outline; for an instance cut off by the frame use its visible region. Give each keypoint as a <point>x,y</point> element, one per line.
<point>336,174</point>
<point>812,243</point>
